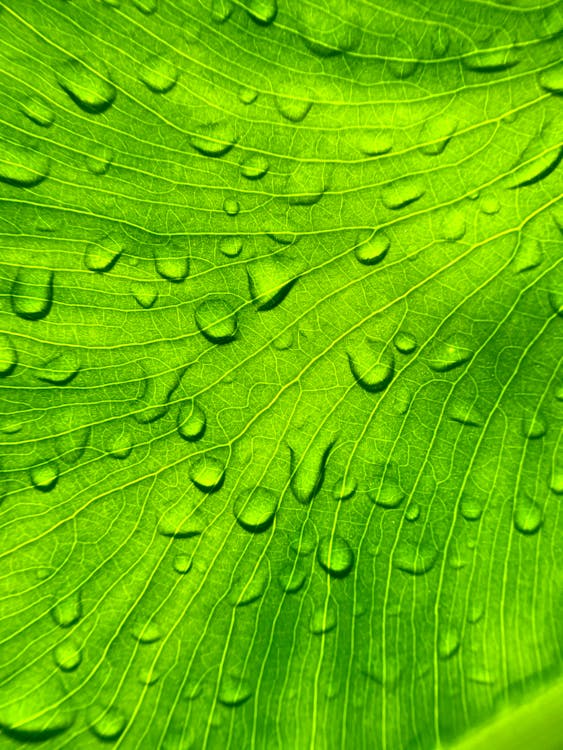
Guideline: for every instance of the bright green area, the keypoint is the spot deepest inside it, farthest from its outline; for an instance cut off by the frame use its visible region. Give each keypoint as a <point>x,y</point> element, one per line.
<point>281,396</point>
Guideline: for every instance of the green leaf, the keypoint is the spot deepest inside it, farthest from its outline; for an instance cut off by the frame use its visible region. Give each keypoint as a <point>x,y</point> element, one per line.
<point>281,390</point>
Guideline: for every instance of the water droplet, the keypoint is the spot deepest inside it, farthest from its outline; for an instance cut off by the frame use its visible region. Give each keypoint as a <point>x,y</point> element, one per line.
<point>144,293</point>
<point>148,675</point>
<point>534,426</point>
<point>445,355</point>
<point>412,512</point>
<point>270,280</point>
<point>326,35</point>
<point>323,619</point>
<point>529,255</point>
<point>231,246</point>
<point>158,74</point>
<point>552,80</point>
<point>22,167</point>
<point>535,170</point>
<point>405,342</point>
<point>292,576</point>
<point>404,68</point>
<point>464,411</point>
<point>147,632</point>
<point>284,341</point>
<point>106,722</point>
<point>33,706</point>
<point>38,111</point>
<point>556,301</point>
<point>373,250</point>
<point>402,192</point>
<point>335,556</point>
<point>490,61</point>
<point>293,109</point>
<point>375,142</point>
<point>60,370</point>
<point>222,10</point>
<point>261,11</point>
<point>120,445</point>
<point>415,558</point>
<point>305,539</point>
<point>389,495</point>
<point>181,522</point>
<point>231,206</point>
<point>344,487</point>
<point>70,446</point>
<point>448,642</point>
<point>308,470</point>
<point>255,509</point>
<point>371,364</point>
<point>102,256</point>
<point>470,507</point>
<point>528,516</point>
<point>306,185</point>
<point>453,225</point>
<point>248,588</point>
<point>91,92</point>
<point>207,473</point>
<point>254,167</point>
<point>44,477</point>
<point>556,481</point>
<point>214,139</point>
<point>183,564</point>
<point>99,160</point>
<point>440,40</point>
<point>145,6</point>
<point>8,355</point>
<point>191,421</point>
<point>68,611</point>
<point>436,134</point>
<point>247,95</point>
<point>67,655</point>
<point>489,204</point>
<point>217,320</point>
<point>174,268</point>
<point>32,293</point>
<point>234,690</point>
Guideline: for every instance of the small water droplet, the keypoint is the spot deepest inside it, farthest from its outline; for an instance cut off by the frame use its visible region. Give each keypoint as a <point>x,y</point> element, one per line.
<point>448,642</point>
<point>247,95</point>
<point>464,411</point>
<point>345,487</point>
<point>436,134</point>
<point>405,342</point>
<point>191,421</point>
<point>101,256</point>
<point>373,250</point>
<point>447,354</point>
<point>32,293</point>
<point>308,470</point>
<point>552,80</point>
<point>402,192</point>
<point>214,139</point>
<point>415,558</point>
<point>222,10</point>
<point>207,473</point>
<point>534,426</point>
<point>250,587</point>
<point>231,246</point>
<point>231,207</point>
<point>22,167</point>
<point>489,204</point>
<point>389,495</point>
<point>106,722</point>
<point>120,446</point>
<point>323,619</point>
<point>158,74</point>
<point>556,481</point>
<point>292,576</point>
<point>8,355</point>
<point>528,516</point>
<point>145,6</point>
<point>375,142</point>
<point>233,690</point>
<point>183,564</point>
<point>470,507</point>
<point>91,92</point>
<point>99,160</point>
<point>371,363</point>
<point>70,446</point>
<point>255,509</point>
<point>293,109</point>
<point>145,293</point>
<point>68,611</point>
<point>305,539</point>
<point>270,280</point>
<point>216,320</point>
<point>148,675</point>
<point>412,512</point>
<point>335,556</point>
<point>61,369</point>
<point>67,655</point>
<point>254,167</point>
<point>174,268</point>
<point>147,632</point>
<point>284,341</point>
<point>261,11</point>
<point>45,476</point>
<point>453,225</point>
<point>556,301</point>
<point>181,522</point>
<point>38,111</point>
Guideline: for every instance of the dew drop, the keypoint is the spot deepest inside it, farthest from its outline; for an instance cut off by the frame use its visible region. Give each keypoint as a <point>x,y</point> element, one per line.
<point>247,95</point>
<point>323,619</point>
<point>284,341</point>
<point>270,280</point>
<point>436,134</point>
<point>61,369</point>
<point>70,446</point>
<point>216,320</point>
<point>248,589</point>
<point>207,473</point>
<point>405,342</point>
<point>453,225</point>
<point>465,412</point>
<point>375,142</point>
<point>335,556</point>
<point>158,74</point>
<point>371,364</point>
<point>145,6</point>
<point>344,488</point>
<point>38,111</point>
<point>254,167</point>
<point>183,564</point>
<point>214,139</point>
<point>556,481</point>
<point>191,421</point>
<point>490,61</point>
<point>389,495</point>
<point>556,301</point>
<point>305,540</point>
<point>326,35</point>
<point>173,268</point>
<point>32,293</point>
<point>231,246</point>
<point>234,690</point>
<point>231,207</point>
<point>415,559</point>
<point>8,356</point>
<point>120,445</point>
<point>448,642</point>
<point>261,11</point>
<point>470,507</point>
<point>306,185</point>
<point>148,675</point>
<point>489,204</point>
<point>67,655</point>
<point>445,355</point>
<point>534,427</point>
<point>144,293</point>
<point>373,250</point>
<point>44,477</point>
<point>222,10</point>
<point>68,611</point>
<point>308,470</point>
<point>99,160</point>
<point>528,516</point>
<point>293,109</point>
<point>102,256</point>
<point>412,512</point>
<point>552,80</point>
<point>91,92</point>
<point>402,193</point>
<point>255,509</point>
<point>292,576</point>
<point>147,632</point>
<point>529,255</point>
<point>106,722</point>
<point>179,522</point>
<point>22,167</point>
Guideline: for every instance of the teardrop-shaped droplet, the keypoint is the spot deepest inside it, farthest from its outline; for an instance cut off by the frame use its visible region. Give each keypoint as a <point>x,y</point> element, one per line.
<point>389,494</point>
<point>412,512</point>
<point>294,109</point>
<point>292,576</point>
<point>250,587</point>
<point>44,477</point>
<point>106,722</point>
<point>208,473</point>
<point>32,293</point>
<point>99,159</point>
<point>402,192</point>
<point>22,167</point>
<point>68,611</point>
<point>345,487</point>
<point>216,320</point>
<point>71,445</point>
<point>371,363</point>
<point>471,507</point>
<point>91,92</point>
<point>61,369</point>
<point>323,619</point>
<point>405,342</point>
<point>175,268</point>
<point>233,690</point>
<point>254,509</point>
<point>375,142</point>
<point>180,522</point>
<point>447,354</point>
<point>373,250</point>
<point>308,470</point>
<point>158,74</point>
<point>191,421</point>
<point>261,11</point>
<point>528,516</point>
<point>270,280</point>
<point>231,246</point>
<point>448,642</point>
<point>147,632</point>
<point>436,134</point>
<point>101,256</point>
<point>231,207</point>
<point>335,556</point>
<point>8,355</point>
<point>254,167</point>
<point>67,655</point>
<point>145,293</point>
<point>214,139</point>
<point>38,111</point>
<point>183,564</point>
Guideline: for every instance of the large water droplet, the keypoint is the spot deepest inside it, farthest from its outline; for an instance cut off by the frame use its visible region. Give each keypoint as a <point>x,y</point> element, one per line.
<point>335,556</point>
<point>270,280</point>
<point>254,167</point>
<point>33,707</point>
<point>402,192</point>
<point>208,473</point>
<point>415,558</point>
<point>231,246</point>
<point>173,268</point>
<point>234,690</point>
<point>91,92</point>
<point>528,516</point>
<point>106,722</point>
<point>214,139</point>
<point>552,80</point>
<point>8,355</point>
<point>32,293</point>
<point>147,632</point>
<point>181,522</point>
<point>448,642</point>
<point>249,587</point>
<point>144,293</point>
<point>373,250</point>
<point>323,619</point>
<point>371,363</point>
<point>101,256</point>
<point>389,494</point>
<point>308,470</point>
<point>445,355</point>
<point>158,74</point>
<point>61,369</point>
<point>217,320</point>
<point>44,477</point>
<point>436,134</point>
<point>68,611</point>
<point>71,445</point>
<point>255,509</point>
<point>191,421</point>
<point>375,142</point>
<point>490,61</point>
<point>293,108</point>
<point>67,655</point>
<point>22,167</point>
<point>38,111</point>
<point>292,576</point>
